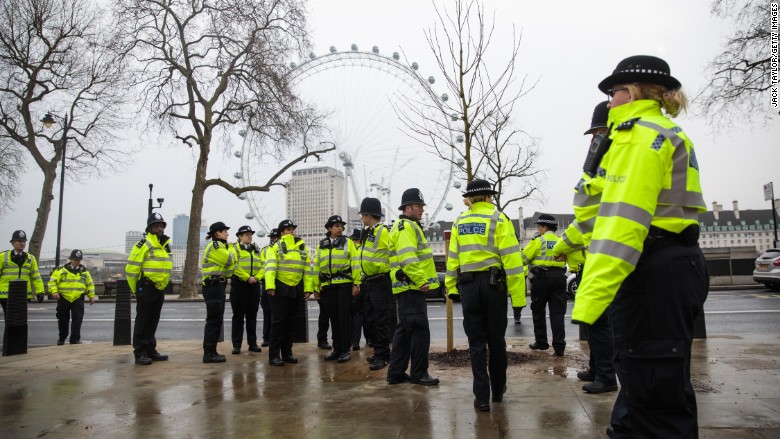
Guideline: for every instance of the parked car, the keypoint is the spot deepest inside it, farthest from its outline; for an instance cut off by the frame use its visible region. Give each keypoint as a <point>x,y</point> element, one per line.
<point>571,285</point>
<point>767,270</point>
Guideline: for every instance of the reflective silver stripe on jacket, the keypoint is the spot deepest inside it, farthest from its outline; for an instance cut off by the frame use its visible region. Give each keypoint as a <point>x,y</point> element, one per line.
<point>616,249</point>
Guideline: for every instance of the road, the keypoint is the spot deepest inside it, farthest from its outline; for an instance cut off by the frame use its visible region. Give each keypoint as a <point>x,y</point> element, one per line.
<point>727,312</point>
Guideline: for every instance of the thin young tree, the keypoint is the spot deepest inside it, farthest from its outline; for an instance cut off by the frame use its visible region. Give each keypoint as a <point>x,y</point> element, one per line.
<point>473,130</point>
<point>57,56</point>
<point>205,68</point>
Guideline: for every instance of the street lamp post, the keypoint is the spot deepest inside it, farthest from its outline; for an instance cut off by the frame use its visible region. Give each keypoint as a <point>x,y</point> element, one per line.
<point>151,203</point>
<point>48,120</point>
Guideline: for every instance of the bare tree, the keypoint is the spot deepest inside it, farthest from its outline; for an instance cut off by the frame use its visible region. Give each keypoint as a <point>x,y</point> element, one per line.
<point>507,155</point>
<point>11,167</point>
<point>739,77</point>
<point>56,55</point>
<point>206,66</point>
<point>473,130</point>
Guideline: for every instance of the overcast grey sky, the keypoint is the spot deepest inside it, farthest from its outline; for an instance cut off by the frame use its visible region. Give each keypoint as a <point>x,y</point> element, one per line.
<point>569,46</point>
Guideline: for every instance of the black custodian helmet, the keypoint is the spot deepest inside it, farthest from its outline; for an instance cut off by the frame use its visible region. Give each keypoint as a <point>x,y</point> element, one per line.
<point>154,219</point>
<point>335,219</point>
<point>244,229</point>
<point>371,206</point>
<point>411,196</point>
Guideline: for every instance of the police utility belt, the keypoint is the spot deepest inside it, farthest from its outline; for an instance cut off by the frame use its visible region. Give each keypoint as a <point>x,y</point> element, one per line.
<point>375,278</point>
<point>496,276</point>
<point>339,275</point>
<point>214,280</point>
<point>541,270</point>
<point>659,238</point>
<point>145,282</point>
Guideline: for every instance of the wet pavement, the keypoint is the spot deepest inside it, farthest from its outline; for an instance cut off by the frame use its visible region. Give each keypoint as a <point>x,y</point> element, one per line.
<point>96,391</point>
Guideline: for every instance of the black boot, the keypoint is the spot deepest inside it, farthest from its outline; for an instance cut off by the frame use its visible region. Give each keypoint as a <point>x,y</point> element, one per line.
<point>211,356</point>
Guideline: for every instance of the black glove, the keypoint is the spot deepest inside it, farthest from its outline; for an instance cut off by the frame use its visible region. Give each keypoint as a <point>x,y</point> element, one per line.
<point>454,297</point>
<point>39,297</point>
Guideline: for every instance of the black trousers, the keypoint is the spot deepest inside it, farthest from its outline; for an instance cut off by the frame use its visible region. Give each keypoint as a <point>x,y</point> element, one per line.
<point>602,352</point>
<point>357,307</point>
<point>214,296</point>
<point>653,315</point>
<point>484,320</point>
<point>148,306</point>
<point>283,309</point>
<point>66,310</point>
<point>266,305</point>
<point>245,301</point>
<point>4,304</point>
<point>517,311</point>
<point>549,290</point>
<point>336,302</point>
<point>412,338</point>
<point>323,323</point>
<point>381,314</point>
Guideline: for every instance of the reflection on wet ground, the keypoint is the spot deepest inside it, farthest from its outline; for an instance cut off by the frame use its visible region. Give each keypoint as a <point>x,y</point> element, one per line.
<point>96,391</point>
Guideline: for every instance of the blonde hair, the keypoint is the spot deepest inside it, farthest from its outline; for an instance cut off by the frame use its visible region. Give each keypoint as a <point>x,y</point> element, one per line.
<point>673,102</point>
<point>478,199</point>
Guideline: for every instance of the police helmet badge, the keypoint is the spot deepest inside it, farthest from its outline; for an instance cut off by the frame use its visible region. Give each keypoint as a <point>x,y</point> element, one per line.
<point>419,194</point>
<point>21,234</point>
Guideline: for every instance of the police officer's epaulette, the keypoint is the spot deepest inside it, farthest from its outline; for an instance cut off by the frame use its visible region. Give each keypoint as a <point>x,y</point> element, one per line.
<point>400,224</point>
<point>140,243</point>
<point>627,125</point>
<point>325,242</point>
<point>216,244</point>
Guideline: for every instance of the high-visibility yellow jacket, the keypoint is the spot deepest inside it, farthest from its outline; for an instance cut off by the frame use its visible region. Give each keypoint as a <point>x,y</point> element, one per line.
<point>250,262</point>
<point>71,283</point>
<point>288,262</point>
<point>336,262</point>
<point>263,261</point>
<point>152,259</point>
<point>483,237</point>
<point>28,271</point>
<point>577,236</point>
<point>651,177</point>
<point>375,251</point>
<point>219,259</point>
<point>539,251</point>
<point>411,255</point>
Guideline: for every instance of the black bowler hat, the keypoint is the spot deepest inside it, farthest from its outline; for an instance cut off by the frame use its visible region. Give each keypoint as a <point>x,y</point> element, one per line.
<point>76,254</point>
<point>285,224</point>
<point>154,219</point>
<point>335,219</point>
<point>216,227</point>
<point>19,235</point>
<point>641,68</point>
<point>478,187</point>
<point>244,229</point>
<point>274,233</point>
<point>356,233</point>
<point>599,119</point>
<point>546,220</point>
<point>411,196</point>
<point>371,206</point>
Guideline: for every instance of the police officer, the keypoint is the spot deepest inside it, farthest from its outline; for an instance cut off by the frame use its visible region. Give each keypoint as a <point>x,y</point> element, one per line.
<point>336,280</point>
<point>287,280</point>
<point>68,285</point>
<point>18,264</point>
<point>376,287</point>
<point>484,264</point>
<point>572,248</point>
<point>273,236</point>
<point>548,286</point>
<point>245,290</point>
<point>413,275</point>
<point>148,272</point>
<point>644,255</point>
<point>358,305</point>
<point>217,264</point>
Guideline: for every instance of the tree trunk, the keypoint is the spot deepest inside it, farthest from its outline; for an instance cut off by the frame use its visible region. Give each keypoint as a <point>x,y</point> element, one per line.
<point>44,208</point>
<point>190,281</point>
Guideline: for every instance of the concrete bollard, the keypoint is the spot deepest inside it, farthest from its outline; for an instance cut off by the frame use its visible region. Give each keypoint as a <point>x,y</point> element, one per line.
<point>301,322</point>
<point>700,326</point>
<point>15,336</point>
<point>122,312</point>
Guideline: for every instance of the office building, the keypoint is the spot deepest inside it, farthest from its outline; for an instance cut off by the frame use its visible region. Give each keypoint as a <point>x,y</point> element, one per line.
<point>313,195</point>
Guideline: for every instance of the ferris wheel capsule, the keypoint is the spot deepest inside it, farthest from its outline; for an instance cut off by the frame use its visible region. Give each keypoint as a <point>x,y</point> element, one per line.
<point>431,79</point>
<point>415,66</point>
<point>436,227</point>
<point>260,233</point>
<point>459,139</point>
<point>312,55</point>
<point>249,215</point>
<point>242,133</point>
<point>448,206</point>
<point>332,49</point>
<point>396,56</point>
<point>456,185</point>
<point>460,162</point>
<point>242,196</point>
<point>237,175</point>
<point>454,117</point>
<point>375,49</point>
<point>354,47</point>
<point>237,154</point>
<point>293,65</point>
<point>445,97</point>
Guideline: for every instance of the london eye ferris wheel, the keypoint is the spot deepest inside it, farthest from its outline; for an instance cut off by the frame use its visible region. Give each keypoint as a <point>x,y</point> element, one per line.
<point>359,92</point>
